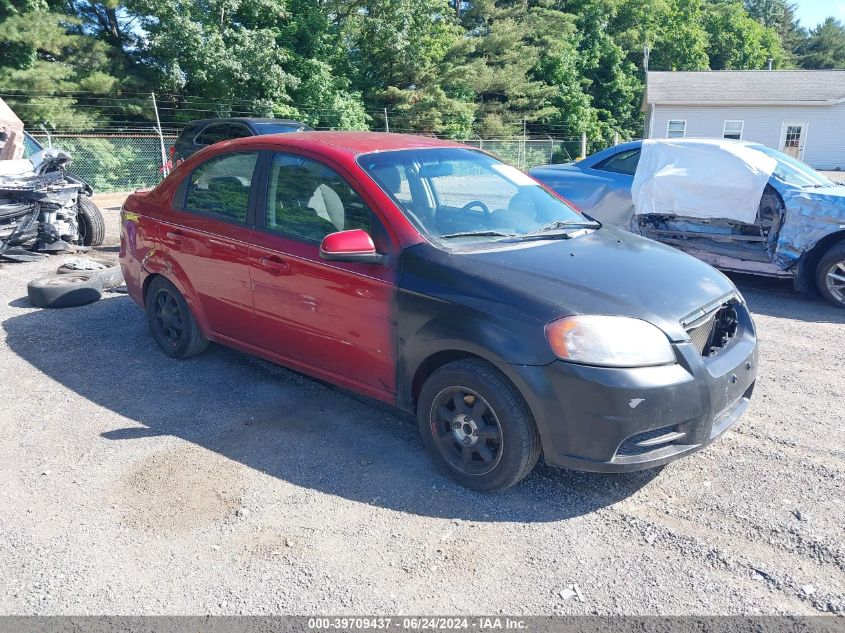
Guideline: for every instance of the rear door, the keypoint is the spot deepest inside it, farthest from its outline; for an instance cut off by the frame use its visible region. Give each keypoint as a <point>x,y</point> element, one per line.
<point>206,236</point>
<point>331,318</point>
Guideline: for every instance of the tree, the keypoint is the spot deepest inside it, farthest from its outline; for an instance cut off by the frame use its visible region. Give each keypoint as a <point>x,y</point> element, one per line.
<point>739,42</point>
<point>780,16</point>
<point>401,53</point>
<point>41,54</point>
<point>825,46</point>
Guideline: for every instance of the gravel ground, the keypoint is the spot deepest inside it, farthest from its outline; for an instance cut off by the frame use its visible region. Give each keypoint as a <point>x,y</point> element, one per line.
<point>136,484</point>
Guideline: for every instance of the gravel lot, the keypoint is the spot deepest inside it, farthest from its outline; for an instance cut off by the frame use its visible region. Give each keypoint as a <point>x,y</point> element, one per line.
<point>135,484</point>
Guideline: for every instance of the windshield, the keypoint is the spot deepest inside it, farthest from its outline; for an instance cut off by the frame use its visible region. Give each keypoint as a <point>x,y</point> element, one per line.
<point>30,145</point>
<point>460,195</point>
<point>279,128</point>
<point>794,172</point>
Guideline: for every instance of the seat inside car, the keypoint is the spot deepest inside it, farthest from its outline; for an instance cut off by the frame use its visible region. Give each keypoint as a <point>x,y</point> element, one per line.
<point>296,191</point>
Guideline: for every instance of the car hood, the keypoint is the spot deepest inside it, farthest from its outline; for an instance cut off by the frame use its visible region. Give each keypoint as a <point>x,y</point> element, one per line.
<point>606,271</point>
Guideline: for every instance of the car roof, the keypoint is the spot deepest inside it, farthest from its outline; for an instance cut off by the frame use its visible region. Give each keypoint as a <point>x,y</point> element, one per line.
<point>354,143</point>
<point>242,119</point>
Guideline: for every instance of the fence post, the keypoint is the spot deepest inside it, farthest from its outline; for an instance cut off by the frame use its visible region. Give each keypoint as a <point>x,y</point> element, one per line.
<point>49,138</point>
<point>164,169</point>
<point>386,122</point>
<point>583,145</point>
<point>616,138</point>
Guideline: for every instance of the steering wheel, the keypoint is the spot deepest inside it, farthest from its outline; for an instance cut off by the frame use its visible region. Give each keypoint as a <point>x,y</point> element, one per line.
<point>477,203</point>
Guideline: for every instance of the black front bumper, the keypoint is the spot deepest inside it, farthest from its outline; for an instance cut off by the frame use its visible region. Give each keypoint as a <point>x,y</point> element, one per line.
<point>619,420</point>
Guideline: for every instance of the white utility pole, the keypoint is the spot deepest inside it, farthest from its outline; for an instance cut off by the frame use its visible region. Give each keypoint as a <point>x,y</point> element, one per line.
<point>164,169</point>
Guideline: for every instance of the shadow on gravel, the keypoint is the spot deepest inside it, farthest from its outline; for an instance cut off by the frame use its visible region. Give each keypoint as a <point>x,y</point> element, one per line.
<point>273,420</point>
<point>778,298</point>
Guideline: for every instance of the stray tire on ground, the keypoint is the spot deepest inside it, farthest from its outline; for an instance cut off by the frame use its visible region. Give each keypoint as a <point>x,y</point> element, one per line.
<point>64,291</point>
<point>92,226</point>
<point>110,274</point>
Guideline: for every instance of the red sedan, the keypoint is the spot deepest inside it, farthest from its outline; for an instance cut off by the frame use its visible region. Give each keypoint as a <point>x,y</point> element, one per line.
<point>432,276</point>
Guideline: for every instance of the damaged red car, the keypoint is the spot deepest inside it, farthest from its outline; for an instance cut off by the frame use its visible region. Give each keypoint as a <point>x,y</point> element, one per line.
<point>434,277</point>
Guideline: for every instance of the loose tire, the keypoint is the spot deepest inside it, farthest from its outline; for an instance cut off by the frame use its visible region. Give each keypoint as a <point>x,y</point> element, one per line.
<point>109,276</point>
<point>92,227</point>
<point>830,275</point>
<point>64,291</point>
<point>171,322</point>
<point>477,426</point>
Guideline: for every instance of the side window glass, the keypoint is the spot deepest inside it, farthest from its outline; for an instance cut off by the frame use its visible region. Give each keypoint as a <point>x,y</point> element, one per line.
<point>236,130</point>
<point>394,180</point>
<point>221,186</point>
<point>308,200</point>
<point>621,163</point>
<point>214,133</point>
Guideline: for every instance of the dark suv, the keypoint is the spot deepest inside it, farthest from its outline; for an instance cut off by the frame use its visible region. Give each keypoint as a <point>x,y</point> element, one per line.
<point>199,134</point>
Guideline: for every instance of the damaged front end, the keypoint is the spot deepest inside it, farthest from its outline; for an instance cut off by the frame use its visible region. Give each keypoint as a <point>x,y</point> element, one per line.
<point>39,206</point>
<point>744,207</point>
<point>725,243</point>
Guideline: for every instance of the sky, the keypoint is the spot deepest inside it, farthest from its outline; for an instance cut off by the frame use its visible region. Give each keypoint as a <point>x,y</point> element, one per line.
<point>811,12</point>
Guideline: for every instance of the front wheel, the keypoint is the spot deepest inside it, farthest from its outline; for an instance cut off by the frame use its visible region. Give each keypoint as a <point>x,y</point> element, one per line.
<point>477,426</point>
<point>171,322</point>
<point>92,227</point>
<point>830,275</point>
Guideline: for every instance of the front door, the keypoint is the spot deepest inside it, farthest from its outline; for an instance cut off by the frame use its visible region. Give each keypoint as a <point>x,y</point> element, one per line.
<point>329,318</point>
<point>792,137</point>
<point>206,236</point>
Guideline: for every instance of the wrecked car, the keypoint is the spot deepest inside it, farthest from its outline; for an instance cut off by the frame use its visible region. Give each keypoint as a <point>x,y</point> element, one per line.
<point>739,206</point>
<point>44,209</point>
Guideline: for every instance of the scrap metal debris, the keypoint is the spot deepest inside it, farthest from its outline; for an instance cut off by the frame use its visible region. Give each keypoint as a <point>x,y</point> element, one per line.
<point>39,206</point>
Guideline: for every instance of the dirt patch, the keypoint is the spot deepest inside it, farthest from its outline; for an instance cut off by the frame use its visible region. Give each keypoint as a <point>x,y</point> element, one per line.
<point>178,489</point>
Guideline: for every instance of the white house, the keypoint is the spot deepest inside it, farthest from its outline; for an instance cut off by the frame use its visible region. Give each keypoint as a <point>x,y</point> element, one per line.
<point>800,112</point>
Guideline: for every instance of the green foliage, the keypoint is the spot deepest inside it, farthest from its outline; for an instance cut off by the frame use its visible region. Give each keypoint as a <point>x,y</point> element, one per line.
<point>825,46</point>
<point>738,41</point>
<point>112,164</point>
<point>486,68</point>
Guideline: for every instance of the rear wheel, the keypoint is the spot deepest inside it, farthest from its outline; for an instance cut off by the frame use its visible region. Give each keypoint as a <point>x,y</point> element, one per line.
<point>171,322</point>
<point>477,426</point>
<point>830,275</point>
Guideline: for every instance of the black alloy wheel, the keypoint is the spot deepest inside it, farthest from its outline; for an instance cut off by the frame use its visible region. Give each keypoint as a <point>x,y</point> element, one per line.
<point>466,430</point>
<point>168,317</point>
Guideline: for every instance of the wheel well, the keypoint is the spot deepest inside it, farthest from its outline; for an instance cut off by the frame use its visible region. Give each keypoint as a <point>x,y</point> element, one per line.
<point>431,365</point>
<point>807,272</point>
<point>146,285</point>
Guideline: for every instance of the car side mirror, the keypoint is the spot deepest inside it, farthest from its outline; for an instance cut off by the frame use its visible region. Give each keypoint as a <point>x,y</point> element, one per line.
<point>355,245</point>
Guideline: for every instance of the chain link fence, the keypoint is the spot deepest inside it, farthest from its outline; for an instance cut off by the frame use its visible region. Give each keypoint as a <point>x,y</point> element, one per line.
<point>112,162</point>
<point>125,162</point>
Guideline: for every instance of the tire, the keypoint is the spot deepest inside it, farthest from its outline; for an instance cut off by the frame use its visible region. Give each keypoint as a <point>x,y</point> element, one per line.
<point>92,227</point>
<point>496,426</point>
<point>64,291</point>
<point>830,275</point>
<point>110,276</point>
<point>171,322</point>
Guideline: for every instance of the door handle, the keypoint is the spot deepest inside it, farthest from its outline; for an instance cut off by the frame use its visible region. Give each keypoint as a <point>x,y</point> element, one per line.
<point>274,265</point>
<point>176,236</point>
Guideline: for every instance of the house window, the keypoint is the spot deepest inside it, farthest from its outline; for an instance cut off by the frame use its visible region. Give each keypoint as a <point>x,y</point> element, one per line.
<point>733,129</point>
<point>676,129</point>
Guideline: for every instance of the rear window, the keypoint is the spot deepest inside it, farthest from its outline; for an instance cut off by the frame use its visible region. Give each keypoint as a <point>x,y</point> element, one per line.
<point>221,186</point>
<point>621,163</point>
<point>213,133</point>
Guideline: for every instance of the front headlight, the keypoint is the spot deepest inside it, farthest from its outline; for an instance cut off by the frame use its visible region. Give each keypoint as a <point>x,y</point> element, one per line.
<point>609,341</point>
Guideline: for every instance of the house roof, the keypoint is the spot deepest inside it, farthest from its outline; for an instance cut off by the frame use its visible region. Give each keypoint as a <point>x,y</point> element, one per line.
<point>748,87</point>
